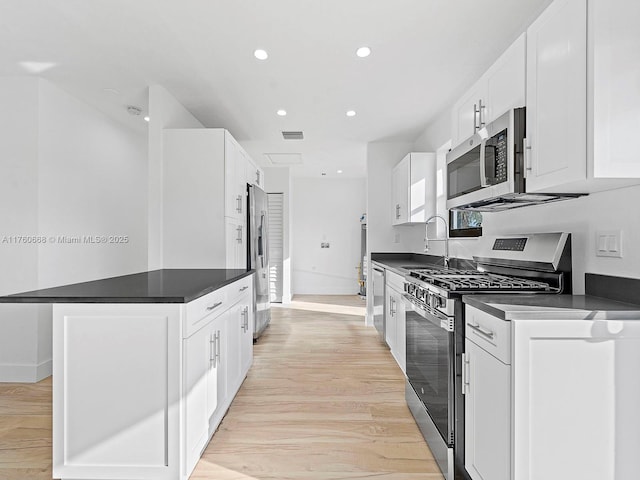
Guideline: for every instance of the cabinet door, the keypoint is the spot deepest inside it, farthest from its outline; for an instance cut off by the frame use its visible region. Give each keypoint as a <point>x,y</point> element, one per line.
<point>199,373</point>
<point>615,43</point>
<point>234,179</point>
<point>246,342</point>
<point>505,81</point>
<point>487,416</point>
<point>234,322</point>
<point>400,191</point>
<point>235,243</point>
<point>213,333</point>
<point>467,113</point>
<point>556,96</point>
<point>390,318</point>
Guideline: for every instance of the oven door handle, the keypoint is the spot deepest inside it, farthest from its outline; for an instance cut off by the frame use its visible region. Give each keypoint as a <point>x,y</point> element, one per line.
<point>441,321</point>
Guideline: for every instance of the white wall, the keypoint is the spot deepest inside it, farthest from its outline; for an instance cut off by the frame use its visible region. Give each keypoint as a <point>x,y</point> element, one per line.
<point>18,216</point>
<point>326,210</point>
<point>91,181</point>
<point>278,180</point>
<point>67,170</point>
<point>164,112</point>
<point>381,235</point>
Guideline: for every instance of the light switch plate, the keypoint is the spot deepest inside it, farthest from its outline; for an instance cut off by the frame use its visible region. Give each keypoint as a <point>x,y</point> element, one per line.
<point>609,243</point>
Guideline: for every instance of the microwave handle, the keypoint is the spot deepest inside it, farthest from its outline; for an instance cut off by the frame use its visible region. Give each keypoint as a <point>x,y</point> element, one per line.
<point>483,165</point>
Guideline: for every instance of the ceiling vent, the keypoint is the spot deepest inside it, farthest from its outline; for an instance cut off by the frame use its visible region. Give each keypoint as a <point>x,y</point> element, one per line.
<point>292,135</point>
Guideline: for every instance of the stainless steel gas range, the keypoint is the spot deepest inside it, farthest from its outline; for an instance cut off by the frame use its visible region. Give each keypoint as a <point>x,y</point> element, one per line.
<point>530,263</point>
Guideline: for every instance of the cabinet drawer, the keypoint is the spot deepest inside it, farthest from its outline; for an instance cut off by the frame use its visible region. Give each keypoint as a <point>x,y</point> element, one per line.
<point>394,281</point>
<point>237,289</point>
<point>204,309</point>
<point>491,333</point>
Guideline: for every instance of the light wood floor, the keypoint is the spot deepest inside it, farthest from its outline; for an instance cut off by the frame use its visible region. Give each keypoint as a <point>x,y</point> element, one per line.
<point>324,400</point>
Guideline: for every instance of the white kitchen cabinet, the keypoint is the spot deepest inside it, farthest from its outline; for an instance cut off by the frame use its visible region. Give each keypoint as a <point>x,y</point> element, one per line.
<point>235,185</point>
<point>236,244</point>
<point>615,113</point>
<point>136,384</point>
<point>200,384</point>
<point>560,402</point>
<point>395,319</point>
<point>582,102</point>
<point>500,88</point>
<point>413,188</point>
<point>487,388</point>
<point>203,189</point>
<point>556,96</point>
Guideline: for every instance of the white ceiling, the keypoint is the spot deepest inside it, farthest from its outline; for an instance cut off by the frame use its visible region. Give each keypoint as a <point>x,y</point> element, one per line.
<point>424,54</point>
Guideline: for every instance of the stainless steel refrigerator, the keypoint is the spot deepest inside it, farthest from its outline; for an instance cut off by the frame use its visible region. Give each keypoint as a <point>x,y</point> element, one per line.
<point>258,256</point>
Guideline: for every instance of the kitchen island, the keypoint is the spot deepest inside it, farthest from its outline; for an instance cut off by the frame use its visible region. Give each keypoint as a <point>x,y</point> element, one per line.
<point>144,368</point>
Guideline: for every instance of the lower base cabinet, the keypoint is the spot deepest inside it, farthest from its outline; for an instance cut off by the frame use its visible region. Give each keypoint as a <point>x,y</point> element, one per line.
<point>395,320</point>
<point>139,389</point>
<point>551,399</point>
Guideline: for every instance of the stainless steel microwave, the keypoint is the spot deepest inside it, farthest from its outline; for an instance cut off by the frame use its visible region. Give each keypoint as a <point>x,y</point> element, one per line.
<point>490,164</point>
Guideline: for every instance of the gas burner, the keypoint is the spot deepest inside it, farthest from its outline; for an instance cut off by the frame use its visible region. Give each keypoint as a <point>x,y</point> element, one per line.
<point>454,280</point>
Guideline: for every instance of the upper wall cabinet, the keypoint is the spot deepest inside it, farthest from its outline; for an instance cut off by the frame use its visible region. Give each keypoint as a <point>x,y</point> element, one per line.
<point>413,188</point>
<point>582,98</point>
<point>502,87</point>
<point>235,183</point>
<point>204,199</point>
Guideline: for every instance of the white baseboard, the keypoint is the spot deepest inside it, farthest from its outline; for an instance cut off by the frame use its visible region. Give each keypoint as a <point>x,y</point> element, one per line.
<point>25,373</point>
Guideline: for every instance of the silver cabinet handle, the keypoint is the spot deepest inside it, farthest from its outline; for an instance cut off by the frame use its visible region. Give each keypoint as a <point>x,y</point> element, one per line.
<point>239,204</point>
<point>480,114</point>
<point>239,230</point>
<point>242,314</point>
<point>243,288</point>
<point>478,122</point>
<point>218,346</point>
<point>397,210</point>
<point>246,319</point>
<point>465,373</point>
<point>526,151</point>
<point>213,350</point>
<point>485,333</point>
<point>258,177</point>
<point>475,117</point>
<point>214,306</point>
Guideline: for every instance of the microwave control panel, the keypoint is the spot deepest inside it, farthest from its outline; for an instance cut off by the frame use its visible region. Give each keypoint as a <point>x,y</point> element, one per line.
<point>501,156</point>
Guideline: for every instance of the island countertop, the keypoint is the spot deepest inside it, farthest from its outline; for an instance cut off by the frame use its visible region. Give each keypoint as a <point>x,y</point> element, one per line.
<point>155,286</point>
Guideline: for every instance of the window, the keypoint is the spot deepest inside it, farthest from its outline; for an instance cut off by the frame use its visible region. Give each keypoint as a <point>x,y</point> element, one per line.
<point>464,223</point>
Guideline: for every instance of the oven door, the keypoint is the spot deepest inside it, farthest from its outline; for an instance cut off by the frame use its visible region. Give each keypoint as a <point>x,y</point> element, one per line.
<point>430,364</point>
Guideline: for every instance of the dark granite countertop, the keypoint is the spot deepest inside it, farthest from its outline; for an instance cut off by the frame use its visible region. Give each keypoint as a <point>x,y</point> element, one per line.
<point>401,263</point>
<point>156,286</point>
<point>553,307</point>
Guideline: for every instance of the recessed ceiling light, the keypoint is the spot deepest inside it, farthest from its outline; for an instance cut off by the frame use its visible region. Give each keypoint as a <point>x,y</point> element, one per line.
<point>282,113</point>
<point>147,118</point>
<point>339,171</point>
<point>351,113</point>
<point>261,54</point>
<point>363,52</point>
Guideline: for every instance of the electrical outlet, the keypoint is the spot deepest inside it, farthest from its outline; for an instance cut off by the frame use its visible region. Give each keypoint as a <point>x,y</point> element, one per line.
<point>609,243</point>
<point>324,245</point>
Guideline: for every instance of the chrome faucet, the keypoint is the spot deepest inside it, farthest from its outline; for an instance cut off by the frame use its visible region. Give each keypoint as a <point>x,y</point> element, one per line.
<point>445,239</point>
